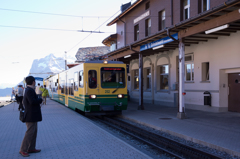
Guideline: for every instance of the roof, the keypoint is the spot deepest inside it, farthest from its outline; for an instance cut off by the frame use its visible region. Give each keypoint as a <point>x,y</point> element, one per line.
<point>184,28</point>
<point>125,12</point>
<point>107,41</point>
<point>110,62</point>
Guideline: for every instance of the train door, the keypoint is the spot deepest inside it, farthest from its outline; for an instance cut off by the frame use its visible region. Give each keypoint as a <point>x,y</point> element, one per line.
<point>234,92</point>
<point>66,91</point>
<point>92,81</point>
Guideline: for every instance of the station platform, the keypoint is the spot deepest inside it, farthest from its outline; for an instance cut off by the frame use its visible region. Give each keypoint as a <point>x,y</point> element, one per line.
<point>220,131</point>
<point>63,133</point>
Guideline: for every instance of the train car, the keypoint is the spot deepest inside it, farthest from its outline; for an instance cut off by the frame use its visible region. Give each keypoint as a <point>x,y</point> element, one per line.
<point>93,87</point>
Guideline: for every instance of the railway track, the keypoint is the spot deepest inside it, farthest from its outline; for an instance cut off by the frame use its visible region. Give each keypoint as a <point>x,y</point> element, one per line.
<point>165,145</point>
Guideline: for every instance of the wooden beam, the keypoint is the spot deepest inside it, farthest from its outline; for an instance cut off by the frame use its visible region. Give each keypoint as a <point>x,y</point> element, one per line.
<point>124,53</point>
<point>203,37</point>
<point>213,23</point>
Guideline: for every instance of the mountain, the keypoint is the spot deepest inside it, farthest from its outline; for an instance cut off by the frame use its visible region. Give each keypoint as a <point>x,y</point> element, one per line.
<point>5,92</point>
<point>49,65</point>
<point>43,68</point>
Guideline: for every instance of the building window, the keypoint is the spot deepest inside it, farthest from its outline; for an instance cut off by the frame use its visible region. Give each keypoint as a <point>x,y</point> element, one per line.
<point>164,74</point>
<point>76,81</point>
<point>186,9</point>
<point>147,82</point>
<point>147,5</point>
<point>161,20</point>
<point>147,27</point>
<point>205,5</point>
<point>136,79</point>
<point>205,71</point>
<point>189,68</point>
<point>136,32</point>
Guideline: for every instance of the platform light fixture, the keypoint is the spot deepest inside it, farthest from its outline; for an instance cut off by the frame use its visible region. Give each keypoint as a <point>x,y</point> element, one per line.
<point>127,56</point>
<point>217,29</point>
<point>158,47</point>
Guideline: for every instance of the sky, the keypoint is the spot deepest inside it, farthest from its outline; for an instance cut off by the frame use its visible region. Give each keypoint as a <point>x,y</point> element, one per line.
<point>34,29</point>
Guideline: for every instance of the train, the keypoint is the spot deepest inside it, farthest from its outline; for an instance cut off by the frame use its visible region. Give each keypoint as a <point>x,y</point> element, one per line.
<point>92,87</point>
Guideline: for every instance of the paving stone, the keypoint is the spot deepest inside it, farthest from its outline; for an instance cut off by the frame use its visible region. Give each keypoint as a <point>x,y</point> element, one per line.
<point>62,134</point>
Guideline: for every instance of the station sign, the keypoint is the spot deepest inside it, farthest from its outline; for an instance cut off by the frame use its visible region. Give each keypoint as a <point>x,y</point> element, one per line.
<point>158,42</point>
<point>38,78</point>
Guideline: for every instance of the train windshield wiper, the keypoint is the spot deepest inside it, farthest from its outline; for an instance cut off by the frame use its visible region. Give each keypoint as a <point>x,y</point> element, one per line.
<point>117,87</point>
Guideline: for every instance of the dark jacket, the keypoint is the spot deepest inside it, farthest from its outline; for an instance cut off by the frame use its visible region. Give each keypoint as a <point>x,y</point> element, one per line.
<point>32,105</point>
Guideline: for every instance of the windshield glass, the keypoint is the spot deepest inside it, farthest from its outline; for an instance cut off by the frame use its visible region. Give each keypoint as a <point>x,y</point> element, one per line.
<point>113,77</point>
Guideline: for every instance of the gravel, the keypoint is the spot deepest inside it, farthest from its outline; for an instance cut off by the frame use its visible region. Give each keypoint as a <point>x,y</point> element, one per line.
<point>186,142</point>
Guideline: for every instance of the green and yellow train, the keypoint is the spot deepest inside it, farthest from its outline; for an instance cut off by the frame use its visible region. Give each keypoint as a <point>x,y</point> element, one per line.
<point>92,87</point>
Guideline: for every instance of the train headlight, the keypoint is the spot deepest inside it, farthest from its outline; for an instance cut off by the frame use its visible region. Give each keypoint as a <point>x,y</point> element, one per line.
<point>105,61</point>
<point>120,96</point>
<point>93,96</point>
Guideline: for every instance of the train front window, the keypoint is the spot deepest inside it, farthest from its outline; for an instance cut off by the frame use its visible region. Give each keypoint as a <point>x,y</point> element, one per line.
<point>113,77</point>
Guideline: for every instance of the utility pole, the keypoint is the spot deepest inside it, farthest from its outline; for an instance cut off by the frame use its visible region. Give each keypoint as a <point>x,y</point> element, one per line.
<point>65,60</point>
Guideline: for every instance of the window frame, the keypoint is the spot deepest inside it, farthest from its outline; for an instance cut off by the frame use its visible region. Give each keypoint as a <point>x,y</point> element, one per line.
<point>93,77</point>
<point>75,86</point>
<point>148,77</point>
<point>63,86</point>
<point>71,87</point>
<point>163,74</point>
<point>81,83</point>
<point>189,62</point>
<point>148,27</point>
<point>205,72</point>
<point>134,79</point>
<point>188,9</point>
<point>123,71</point>
<point>207,5</point>
<point>161,19</point>
<point>136,32</point>
<point>147,5</point>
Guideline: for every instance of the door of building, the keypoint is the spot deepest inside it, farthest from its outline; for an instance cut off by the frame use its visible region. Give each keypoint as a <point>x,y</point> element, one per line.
<point>234,92</point>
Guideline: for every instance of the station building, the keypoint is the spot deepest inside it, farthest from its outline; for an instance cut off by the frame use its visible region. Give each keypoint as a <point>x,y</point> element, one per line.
<point>181,53</point>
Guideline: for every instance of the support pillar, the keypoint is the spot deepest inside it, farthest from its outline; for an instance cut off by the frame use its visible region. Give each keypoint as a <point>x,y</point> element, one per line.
<point>181,111</point>
<point>140,107</point>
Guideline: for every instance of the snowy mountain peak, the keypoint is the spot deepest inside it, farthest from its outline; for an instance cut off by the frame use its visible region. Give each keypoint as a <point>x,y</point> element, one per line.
<point>49,65</point>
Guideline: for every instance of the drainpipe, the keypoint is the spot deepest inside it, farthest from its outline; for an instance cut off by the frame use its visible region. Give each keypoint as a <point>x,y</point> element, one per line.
<point>124,31</point>
<point>181,91</point>
<point>171,12</point>
<point>140,107</point>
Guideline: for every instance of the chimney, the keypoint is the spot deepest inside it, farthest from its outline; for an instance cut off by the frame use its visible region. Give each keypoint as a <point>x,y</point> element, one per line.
<point>125,6</point>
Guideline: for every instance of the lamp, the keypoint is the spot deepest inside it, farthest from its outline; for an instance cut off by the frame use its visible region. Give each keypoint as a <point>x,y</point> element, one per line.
<point>217,29</point>
<point>158,47</point>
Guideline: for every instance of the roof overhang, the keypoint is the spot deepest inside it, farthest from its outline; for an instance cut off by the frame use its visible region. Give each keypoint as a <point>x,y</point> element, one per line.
<point>108,40</point>
<point>192,30</point>
<point>72,65</point>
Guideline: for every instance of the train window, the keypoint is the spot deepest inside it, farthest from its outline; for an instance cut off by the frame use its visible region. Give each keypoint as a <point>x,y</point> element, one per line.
<point>62,86</point>
<point>76,81</point>
<point>81,79</point>
<point>92,79</point>
<point>113,77</point>
<point>71,88</point>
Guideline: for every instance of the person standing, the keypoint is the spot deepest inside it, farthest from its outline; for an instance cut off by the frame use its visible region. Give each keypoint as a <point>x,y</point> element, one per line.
<point>13,93</point>
<point>45,94</point>
<point>32,116</point>
<point>38,91</point>
<point>20,96</point>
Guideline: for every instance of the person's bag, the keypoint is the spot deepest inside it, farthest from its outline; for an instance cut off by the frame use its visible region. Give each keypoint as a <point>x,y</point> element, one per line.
<point>22,116</point>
